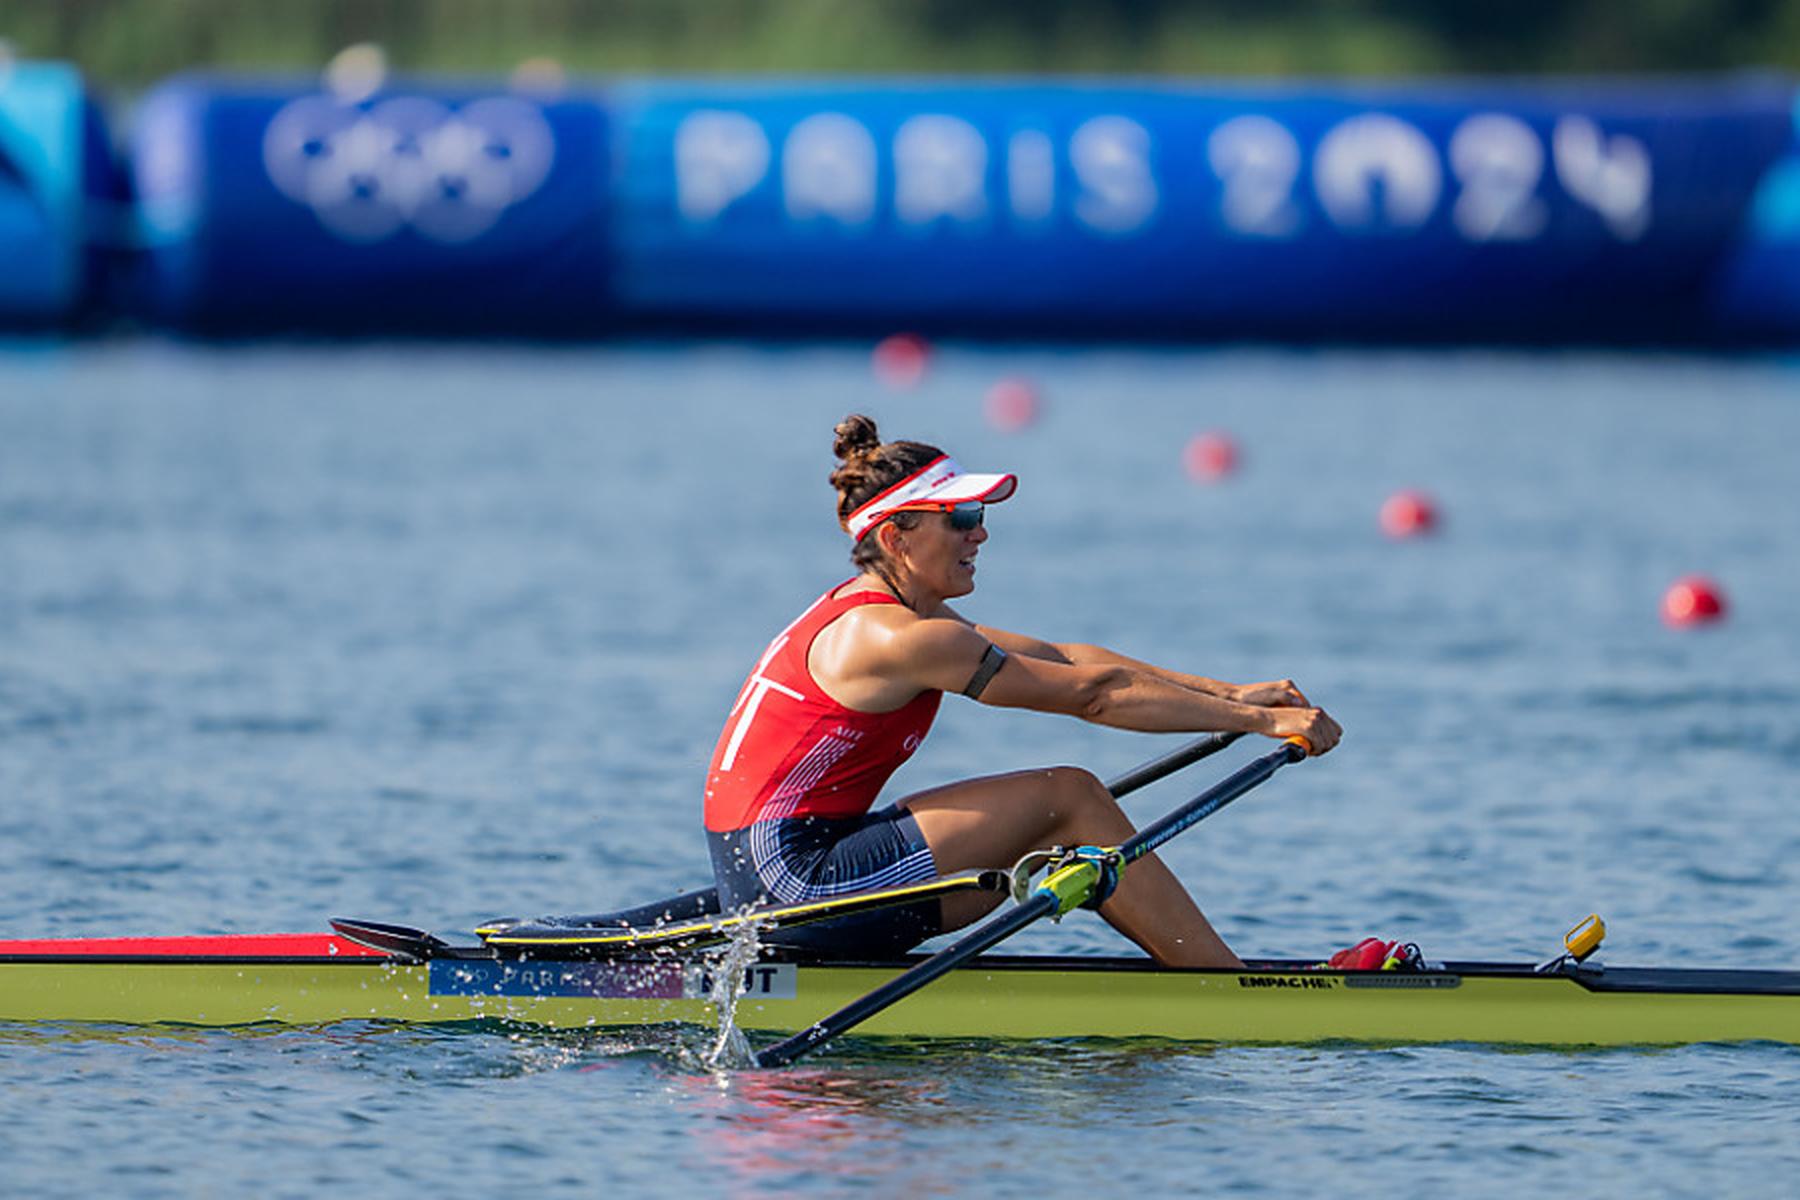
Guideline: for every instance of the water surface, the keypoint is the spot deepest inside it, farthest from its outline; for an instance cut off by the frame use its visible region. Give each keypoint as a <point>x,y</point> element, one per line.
<point>432,633</point>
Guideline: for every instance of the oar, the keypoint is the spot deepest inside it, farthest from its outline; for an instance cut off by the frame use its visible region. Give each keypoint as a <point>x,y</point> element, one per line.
<point>1065,888</point>
<point>550,939</point>
<point>1168,764</point>
<point>603,936</point>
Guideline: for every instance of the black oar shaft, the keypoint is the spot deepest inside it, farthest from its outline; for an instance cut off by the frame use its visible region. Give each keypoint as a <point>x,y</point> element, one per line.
<point>988,934</point>
<point>651,926</point>
<point>676,920</point>
<point>1042,902</point>
<point>1168,764</point>
<point>1210,801</point>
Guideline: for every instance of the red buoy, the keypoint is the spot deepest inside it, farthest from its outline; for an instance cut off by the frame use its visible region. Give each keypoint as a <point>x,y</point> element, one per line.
<point>1210,457</point>
<point>1012,404</point>
<point>900,360</point>
<point>1408,514</point>
<point>1692,600</point>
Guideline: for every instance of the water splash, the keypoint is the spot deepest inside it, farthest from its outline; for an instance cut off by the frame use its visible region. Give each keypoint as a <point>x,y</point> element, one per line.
<point>731,1049</point>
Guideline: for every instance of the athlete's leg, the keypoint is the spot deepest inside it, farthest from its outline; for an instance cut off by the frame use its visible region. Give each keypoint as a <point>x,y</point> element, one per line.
<point>990,822</point>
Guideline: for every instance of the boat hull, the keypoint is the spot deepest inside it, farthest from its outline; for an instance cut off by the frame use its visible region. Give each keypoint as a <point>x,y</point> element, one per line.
<point>1023,997</point>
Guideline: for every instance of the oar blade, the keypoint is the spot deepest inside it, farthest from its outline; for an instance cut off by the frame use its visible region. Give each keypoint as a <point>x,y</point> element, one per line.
<point>403,940</point>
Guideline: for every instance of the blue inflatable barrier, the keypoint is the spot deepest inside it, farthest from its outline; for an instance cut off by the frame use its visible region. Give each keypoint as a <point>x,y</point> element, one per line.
<point>55,164</point>
<point>1540,212</point>
<point>1491,213</point>
<point>436,209</point>
<point>1757,296</point>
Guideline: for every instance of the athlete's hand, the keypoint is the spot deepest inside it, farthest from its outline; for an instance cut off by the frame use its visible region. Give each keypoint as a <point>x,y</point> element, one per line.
<point>1278,693</point>
<point>1313,724</point>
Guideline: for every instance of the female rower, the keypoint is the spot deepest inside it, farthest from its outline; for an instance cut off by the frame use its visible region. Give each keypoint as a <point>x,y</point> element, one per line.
<point>848,690</point>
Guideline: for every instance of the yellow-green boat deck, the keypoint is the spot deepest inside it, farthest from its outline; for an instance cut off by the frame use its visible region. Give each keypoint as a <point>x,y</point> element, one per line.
<point>995,997</point>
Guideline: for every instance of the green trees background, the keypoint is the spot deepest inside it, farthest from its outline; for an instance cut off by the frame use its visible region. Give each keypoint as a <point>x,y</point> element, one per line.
<point>129,43</point>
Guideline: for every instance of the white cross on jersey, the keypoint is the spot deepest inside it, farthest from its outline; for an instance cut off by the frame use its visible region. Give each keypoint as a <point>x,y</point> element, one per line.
<point>751,697</point>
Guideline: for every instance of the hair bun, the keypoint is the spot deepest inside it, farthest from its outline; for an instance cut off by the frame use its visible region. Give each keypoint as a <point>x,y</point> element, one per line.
<point>855,436</point>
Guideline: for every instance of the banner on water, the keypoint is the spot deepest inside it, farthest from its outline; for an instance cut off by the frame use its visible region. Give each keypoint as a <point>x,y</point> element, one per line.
<point>56,183</point>
<point>470,209</point>
<point>1548,212</point>
<point>1533,212</point>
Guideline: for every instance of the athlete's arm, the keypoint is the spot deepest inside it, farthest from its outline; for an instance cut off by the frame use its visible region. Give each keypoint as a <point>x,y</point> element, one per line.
<point>1125,697</point>
<point>1012,643</point>
<point>942,653</point>
<point>1276,693</point>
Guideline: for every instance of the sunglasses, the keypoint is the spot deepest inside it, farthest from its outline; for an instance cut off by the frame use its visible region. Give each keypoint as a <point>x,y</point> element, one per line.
<point>970,514</point>
<point>967,516</point>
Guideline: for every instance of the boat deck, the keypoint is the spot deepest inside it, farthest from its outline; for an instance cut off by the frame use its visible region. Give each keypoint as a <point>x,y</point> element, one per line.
<point>324,978</point>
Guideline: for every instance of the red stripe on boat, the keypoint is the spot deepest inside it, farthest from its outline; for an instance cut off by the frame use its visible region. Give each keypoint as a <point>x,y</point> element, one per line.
<point>229,945</point>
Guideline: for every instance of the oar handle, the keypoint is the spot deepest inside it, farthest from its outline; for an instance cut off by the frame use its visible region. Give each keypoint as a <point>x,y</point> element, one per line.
<point>1168,764</point>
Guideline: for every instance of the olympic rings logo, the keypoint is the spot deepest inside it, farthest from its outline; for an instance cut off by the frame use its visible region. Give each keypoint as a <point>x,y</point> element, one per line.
<point>408,162</point>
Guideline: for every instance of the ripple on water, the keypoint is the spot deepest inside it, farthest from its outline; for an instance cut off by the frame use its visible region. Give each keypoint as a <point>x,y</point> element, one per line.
<point>303,629</point>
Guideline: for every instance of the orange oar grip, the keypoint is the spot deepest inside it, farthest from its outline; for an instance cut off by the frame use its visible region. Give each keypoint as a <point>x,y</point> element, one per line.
<point>1305,746</point>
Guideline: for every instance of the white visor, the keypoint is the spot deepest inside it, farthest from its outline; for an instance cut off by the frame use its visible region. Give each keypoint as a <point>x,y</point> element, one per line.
<point>940,484</point>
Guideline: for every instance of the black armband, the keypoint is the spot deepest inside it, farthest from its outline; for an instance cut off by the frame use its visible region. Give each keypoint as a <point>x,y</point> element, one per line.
<point>991,662</point>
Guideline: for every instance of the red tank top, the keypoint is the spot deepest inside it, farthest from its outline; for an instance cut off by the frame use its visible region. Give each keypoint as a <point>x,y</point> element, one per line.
<point>790,750</point>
